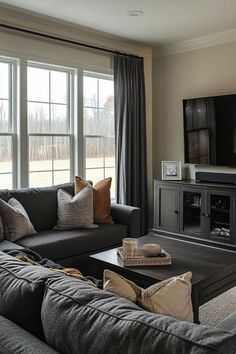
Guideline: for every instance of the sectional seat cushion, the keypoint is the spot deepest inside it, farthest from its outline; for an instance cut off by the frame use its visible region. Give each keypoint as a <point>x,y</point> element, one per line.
<point>78,318</point>
<point>7,245</point>
<point>21,292</point>
<point>15,340</point>
<point>57,245</point>
<point>41,204</point>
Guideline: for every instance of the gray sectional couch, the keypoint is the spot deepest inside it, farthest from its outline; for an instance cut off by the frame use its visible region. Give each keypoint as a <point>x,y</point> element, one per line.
<point>42,312</point>
<point>69,247</point>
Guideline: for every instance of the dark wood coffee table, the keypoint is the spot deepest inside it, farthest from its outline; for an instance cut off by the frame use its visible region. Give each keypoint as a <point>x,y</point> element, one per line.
<point>214,269</point>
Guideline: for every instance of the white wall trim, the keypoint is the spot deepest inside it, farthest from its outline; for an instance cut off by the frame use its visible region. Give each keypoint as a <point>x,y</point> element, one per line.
<point>196,43</point>
<point>35,22</point>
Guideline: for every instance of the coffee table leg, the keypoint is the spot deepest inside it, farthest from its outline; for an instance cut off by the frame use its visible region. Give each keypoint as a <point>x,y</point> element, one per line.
<point>195,302</point>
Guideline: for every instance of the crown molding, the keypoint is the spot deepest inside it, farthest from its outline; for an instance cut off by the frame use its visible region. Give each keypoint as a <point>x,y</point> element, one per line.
<point>194,44</point>
<point>29,20</point>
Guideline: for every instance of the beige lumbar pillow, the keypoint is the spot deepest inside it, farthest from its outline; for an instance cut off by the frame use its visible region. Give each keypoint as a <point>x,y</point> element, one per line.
<point>171,297</point>
<point>75,212</point>
<point>15,220</point>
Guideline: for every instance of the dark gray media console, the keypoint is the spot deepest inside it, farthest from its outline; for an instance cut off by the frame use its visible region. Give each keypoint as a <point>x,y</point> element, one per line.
<point>198,211</point>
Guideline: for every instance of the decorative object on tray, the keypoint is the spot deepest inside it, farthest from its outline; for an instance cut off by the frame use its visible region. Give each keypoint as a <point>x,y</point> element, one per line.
<point>129,246</point>
<point>157,256</point>
<point>151,250</point>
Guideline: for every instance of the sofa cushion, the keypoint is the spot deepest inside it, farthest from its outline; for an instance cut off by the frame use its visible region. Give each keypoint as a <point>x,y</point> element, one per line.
<point>73,313</point>
<point>21,292</point>
<point>75,212</point>
<point>229,324</point>
<point>7,245</point>
<point>15,340</point>
<point>2,236</point>
<point>5,194</point>
<point>41,204</point>
<point>15,220</point>
<point>57,245</point>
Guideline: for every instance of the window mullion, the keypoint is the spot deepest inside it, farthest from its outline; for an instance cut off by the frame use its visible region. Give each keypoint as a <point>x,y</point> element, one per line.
<point>80,145</point>
<point>23,165</point>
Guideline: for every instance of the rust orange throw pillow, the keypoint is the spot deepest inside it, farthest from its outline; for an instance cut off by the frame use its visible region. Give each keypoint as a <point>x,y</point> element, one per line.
<point>101,199</point>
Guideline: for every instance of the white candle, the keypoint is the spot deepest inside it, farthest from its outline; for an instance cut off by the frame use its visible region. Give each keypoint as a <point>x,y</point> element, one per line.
<point>130,246</point>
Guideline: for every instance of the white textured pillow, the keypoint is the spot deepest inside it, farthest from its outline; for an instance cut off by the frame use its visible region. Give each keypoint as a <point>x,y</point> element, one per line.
<point>171,297</point>
<point>75,212</point>
<point>15,220</point>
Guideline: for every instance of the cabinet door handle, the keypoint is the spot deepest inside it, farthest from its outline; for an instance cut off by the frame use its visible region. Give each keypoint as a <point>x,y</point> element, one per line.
<point>208,215</point>
<point>202,214</point>
<point>176,212</point>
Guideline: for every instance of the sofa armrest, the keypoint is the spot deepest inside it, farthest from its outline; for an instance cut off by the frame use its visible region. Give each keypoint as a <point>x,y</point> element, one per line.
<point>127,215</point>
<point>228,324</point>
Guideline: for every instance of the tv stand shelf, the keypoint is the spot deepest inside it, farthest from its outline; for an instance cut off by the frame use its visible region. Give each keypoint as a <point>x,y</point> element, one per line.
<point>203,212</point>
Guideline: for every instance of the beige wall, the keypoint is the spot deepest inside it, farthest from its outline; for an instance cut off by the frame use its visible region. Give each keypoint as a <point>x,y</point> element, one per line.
<point>208,71</point>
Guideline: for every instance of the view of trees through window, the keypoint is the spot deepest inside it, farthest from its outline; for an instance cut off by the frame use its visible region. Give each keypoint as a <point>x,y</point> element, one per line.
<point>99,128</point>
<point>48,126</point>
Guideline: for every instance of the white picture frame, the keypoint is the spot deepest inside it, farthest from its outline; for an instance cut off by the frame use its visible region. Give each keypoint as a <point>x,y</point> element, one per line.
<point>171,170</point>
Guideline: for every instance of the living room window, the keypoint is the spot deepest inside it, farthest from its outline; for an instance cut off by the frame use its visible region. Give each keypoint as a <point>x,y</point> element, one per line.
<point>99,135</point>
<point>50,128</point>
<point>42,142</point>
<point>8,69</point>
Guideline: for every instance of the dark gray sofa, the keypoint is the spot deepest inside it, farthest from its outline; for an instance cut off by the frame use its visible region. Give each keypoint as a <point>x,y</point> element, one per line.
<point>43,312</point>
<point>70,247</point>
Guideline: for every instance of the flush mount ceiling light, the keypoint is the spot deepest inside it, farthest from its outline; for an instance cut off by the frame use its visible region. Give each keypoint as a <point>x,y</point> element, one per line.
<point>135,12</point>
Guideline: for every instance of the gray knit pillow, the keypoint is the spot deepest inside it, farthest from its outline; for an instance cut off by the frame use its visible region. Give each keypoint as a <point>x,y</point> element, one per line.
<point>75,212</point>
<point>15,220</point>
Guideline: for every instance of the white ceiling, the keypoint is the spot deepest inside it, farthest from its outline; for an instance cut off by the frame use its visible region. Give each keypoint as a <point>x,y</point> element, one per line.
<point>163,22</point>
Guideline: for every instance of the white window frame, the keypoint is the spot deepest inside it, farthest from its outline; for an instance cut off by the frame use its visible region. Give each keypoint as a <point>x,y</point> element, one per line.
<point>98,75</point>
<point>20,143</point>
<point>70,111</point>
<point>13,102</point>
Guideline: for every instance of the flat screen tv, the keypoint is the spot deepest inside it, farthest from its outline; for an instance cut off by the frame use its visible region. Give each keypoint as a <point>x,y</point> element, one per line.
<point>210,130</point>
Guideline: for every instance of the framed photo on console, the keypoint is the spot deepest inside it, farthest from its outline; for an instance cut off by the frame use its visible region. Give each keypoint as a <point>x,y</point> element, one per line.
<point>171,170</point>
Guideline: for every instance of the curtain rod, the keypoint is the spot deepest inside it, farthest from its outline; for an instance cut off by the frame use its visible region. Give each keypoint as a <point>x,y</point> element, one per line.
<point>69,41</point>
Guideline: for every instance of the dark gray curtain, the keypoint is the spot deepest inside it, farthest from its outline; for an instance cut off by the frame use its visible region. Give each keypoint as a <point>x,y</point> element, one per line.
<point>130,131</point>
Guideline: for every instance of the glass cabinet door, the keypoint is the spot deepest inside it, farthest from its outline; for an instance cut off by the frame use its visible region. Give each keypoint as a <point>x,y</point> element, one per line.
<point>193,202</point>
<point>220,210</point>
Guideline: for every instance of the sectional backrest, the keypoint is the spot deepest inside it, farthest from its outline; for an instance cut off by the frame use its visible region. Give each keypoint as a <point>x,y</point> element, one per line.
<point>40,203</point>
<point>78,318</point>
<point>5,194</point>
<point>22,291</point>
